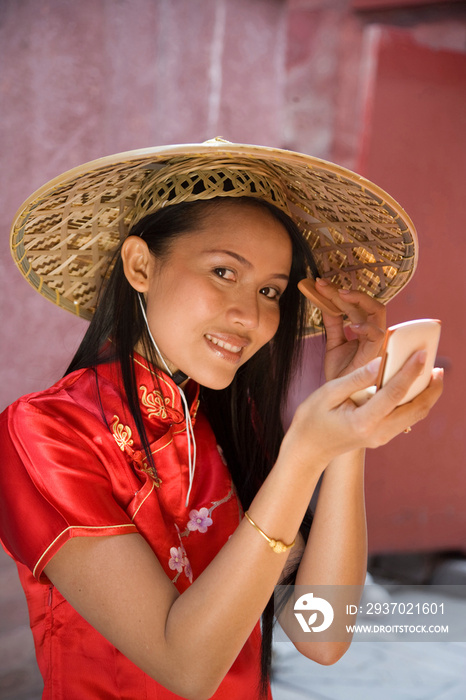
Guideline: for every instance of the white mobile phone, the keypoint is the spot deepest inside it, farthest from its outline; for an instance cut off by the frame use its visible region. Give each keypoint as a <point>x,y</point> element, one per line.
<point>402,341</point>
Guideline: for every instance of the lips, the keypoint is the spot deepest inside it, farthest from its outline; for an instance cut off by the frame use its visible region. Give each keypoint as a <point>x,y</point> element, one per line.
<point>228,347</point>
<point>223,344</point>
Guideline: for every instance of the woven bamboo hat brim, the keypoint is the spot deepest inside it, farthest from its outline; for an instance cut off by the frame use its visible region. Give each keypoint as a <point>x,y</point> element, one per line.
<point>64,235</point>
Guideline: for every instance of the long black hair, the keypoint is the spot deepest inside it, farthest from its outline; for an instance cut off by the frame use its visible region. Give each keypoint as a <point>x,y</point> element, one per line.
<point>246,417</point>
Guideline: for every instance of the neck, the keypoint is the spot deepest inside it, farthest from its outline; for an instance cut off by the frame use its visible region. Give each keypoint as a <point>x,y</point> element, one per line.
<point>178,376</point>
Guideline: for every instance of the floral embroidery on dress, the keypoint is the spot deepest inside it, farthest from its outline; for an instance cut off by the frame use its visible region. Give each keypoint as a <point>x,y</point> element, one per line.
<point>188,570</point>
<point>199,520</point>
<point>121,433</point>
<point>154,402</point>
<point>177,560</point>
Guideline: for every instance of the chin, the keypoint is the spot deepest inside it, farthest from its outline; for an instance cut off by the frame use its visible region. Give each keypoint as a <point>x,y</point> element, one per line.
<point>215,381</point>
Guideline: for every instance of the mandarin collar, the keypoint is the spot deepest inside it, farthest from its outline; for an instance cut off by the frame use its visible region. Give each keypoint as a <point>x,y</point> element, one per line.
<point>159,396</point>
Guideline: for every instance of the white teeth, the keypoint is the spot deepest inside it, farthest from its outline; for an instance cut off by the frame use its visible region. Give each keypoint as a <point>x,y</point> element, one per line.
<point>222,344</point>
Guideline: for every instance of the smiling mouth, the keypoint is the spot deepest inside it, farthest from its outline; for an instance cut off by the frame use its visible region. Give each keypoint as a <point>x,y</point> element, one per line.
<point>222,344</point>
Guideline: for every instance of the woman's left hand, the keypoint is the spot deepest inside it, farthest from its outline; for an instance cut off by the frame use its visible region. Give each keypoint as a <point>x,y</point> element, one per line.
<point>345,351</point>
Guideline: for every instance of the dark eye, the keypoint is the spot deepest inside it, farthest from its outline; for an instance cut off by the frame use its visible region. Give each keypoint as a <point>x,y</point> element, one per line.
<point>224,273</point>
<point>270,292</point>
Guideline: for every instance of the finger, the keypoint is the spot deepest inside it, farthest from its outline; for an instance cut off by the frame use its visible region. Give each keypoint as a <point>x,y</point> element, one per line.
<point>329,292</point>
<point>371,307</point>
<point>334,331</point>
<point>411,413</point>
<point>331,314</point>
<point>342,388</point>
<point>308,288</point>
<point>417,409</point>
<point>368,331</point>
<point>371,339</point>
<point>392,394</point>
<point>358,306</point>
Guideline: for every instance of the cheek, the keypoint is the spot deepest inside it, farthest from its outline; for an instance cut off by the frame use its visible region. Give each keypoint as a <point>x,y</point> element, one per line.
<point>271,323</point>
<point>201,303</point>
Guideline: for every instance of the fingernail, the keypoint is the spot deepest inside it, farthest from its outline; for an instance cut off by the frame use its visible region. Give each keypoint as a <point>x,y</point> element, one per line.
<point>438,372</point>
<point>355,326</point>
<point>373,365</point>
<point>344,291</point>
<point>323,283</point>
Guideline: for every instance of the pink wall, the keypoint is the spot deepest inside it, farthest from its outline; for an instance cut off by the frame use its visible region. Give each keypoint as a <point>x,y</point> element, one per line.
<point>80,80</point>
<point>83,80</point>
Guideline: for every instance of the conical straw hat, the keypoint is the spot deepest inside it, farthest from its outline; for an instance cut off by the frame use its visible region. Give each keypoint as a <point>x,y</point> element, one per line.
<point>65,234</point>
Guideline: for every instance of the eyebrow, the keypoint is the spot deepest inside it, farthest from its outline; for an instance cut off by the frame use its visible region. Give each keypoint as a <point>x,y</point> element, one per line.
<point>243,261</point>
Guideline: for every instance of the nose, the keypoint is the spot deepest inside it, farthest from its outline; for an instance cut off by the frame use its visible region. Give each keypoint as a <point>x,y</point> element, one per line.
<point>244,311</point>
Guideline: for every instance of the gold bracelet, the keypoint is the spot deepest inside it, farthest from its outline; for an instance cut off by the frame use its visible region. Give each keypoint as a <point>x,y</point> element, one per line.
<point>277,545</point>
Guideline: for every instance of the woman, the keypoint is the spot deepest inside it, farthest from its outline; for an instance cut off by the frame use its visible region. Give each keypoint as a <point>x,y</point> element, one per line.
<point>183,371</point>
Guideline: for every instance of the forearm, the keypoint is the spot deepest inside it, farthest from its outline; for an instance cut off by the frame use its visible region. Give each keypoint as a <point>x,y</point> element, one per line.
<point>336,552</point>
<point>243,576</point>
<point>232,592</point>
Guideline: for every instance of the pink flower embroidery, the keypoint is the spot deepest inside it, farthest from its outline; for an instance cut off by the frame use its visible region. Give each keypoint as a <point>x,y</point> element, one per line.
<point>177,560</point>
<point>199,520</point>
<point>188,570</point>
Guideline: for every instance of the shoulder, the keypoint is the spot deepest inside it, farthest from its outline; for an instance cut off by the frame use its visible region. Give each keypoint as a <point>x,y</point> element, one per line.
<point>70,406</point>
<point>59,471</point>
<point>79,389</point>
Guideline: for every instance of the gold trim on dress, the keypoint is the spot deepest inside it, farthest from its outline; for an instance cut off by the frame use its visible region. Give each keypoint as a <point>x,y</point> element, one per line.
<point>77,527</point>
<point>143,501</point>
<point>160,378</point>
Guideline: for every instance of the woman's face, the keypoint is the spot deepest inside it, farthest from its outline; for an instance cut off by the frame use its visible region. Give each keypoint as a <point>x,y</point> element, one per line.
<point>214,300</point>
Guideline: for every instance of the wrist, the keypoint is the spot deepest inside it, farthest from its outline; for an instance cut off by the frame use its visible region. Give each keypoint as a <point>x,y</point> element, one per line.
<point>347,471</point>
<point>354,459</point>
<point>303,461</point>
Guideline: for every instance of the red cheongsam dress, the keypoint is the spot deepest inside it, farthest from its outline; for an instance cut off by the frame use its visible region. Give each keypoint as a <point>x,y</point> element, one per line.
<point>72,466</point>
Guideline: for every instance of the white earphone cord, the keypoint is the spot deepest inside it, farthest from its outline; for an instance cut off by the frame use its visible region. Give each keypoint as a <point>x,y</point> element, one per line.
<point>189,425</point>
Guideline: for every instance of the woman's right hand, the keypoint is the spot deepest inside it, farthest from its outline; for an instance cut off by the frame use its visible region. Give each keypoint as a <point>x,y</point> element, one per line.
<point>328,423</point>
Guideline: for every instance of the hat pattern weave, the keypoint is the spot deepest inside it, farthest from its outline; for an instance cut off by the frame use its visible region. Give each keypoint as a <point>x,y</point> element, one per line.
<point>64,236</point>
